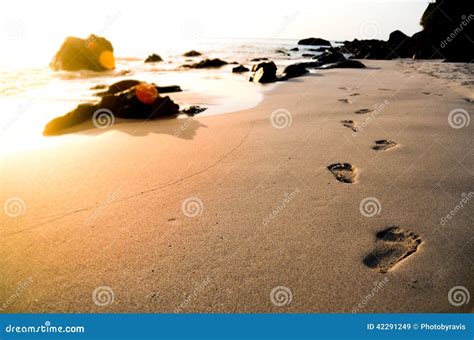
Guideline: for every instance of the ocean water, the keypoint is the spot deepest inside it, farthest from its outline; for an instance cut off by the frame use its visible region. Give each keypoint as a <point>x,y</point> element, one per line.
<point>32,96</point>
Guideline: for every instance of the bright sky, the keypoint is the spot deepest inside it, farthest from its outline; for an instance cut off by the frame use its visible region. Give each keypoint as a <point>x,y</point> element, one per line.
<point>35,29</point>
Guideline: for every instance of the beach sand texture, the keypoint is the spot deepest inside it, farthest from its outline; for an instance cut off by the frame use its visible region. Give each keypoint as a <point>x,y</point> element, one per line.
<point>215,213</point>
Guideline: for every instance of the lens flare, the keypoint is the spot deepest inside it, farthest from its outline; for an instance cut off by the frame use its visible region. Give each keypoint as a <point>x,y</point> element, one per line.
<point>107,60</point>
<point>146,93</point>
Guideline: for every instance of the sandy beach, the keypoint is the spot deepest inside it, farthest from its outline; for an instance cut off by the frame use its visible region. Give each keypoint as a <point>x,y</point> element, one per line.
<point>214,213</point>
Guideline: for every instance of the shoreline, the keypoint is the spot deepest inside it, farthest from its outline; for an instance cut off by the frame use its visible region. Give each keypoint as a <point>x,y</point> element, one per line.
<point>108,210</point>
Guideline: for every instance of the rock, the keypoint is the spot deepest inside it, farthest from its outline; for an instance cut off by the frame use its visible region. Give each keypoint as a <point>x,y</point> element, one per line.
<point>264,73</point>
<point>282,52</point>
<point>295,70</point>
<point>330,57</point>
<point>99,87</point>
<point>314,41</point>
<point>240,69</point>
<point>295,49</point>
<point>94,53</point>
<point>193,110</point>
<point>308,55</point>
<point>207,63</point>
<point>141,101</point>
<point>258,59</point>
<point>368,49</point>
<point>312,64</point>
<point>128,83</point>
<point>153,58</point>
<point>192,53</point>
<point>401,45</point>
<point>344,64</point>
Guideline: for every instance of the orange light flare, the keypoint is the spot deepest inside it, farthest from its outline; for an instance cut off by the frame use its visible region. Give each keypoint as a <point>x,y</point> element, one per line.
<point>107,60</point>
<point>146,93</point>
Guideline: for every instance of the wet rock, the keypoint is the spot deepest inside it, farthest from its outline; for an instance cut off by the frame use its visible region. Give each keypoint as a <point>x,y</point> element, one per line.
<point>240,69</point>
<point>192,53</point>
<point>294,70</point>
<point>264,72</point>
<point>141,101</point>
<point>283,52</point>
<point>258,59</point>
<point>347,63</point>
<point>193,110</point>
<point>153,58</point>
<point>308,55</point>
<point>128,83</point>
<point>295,49</point>
<point>314,42</point>
<point>94,53</point>
<point>330,57</point>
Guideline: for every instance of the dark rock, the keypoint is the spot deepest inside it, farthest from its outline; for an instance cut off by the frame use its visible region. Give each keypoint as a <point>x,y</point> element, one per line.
<point>344,64</point>
<point>295,70</point>
<point>94,53</point>
<point>193,110</point>
<point>258,59</point>
<point>295,49</point>
<point>138,102</point>
<point>128,83</point>
<point>240,69</point>
<point>264,72</point>
<point>283,52</point>
<point>99,87</point>
<point>368,49</point>
<point>314,42</point>
<point>207,63</point>
<point>153,58</point>
<point>330,57</point>
<point>311,64</point>
<point>308,55</point>
<point>192,53</point>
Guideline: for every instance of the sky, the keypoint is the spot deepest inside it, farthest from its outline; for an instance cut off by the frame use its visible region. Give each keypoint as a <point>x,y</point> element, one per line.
<point>129,25</point>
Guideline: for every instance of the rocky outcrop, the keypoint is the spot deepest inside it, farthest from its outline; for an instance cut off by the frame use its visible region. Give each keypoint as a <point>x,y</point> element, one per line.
<point>264,73</point>
<point>344,64</point>
<point>294,70</point>
<point>314,42</point>
<point>207,63</point>
<point>192,53</point>
<point>94,53</point>
<point>153,58</point>
<point>330,57</point>
<point>128,83</point>
<point>140,101</point>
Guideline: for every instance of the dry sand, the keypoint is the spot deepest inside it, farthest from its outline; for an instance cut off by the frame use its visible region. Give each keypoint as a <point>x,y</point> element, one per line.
<point>106,210</point>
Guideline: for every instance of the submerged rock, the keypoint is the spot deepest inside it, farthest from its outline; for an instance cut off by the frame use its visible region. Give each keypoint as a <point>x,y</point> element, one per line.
<point>94,53</point>
<point>314,42</point>
<point>128,83</point>
<point>141,101</point>
<point>192,53</point>
<point>258,59</point>
<point>153,58</point>
<point>207,63</point>
<point>264,72</point>
<point>240,69</point>
<point>295,49</point>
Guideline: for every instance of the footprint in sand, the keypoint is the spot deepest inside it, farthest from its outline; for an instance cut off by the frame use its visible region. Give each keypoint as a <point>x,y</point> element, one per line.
<point>362,111</point>
<point>426,93</point>
<point>349,124</point>
<point>384,144</point>
<point>343,100</point>
<point>392,245</point>
<point>354,94</point>
<point>384,89</point>
<point>344,172</point>
<point>343,88</point>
